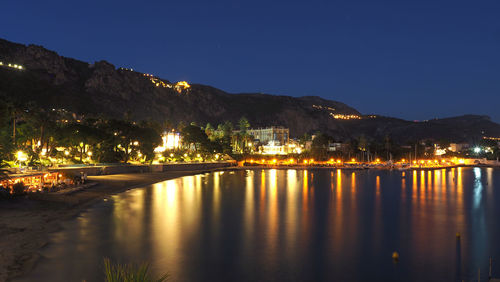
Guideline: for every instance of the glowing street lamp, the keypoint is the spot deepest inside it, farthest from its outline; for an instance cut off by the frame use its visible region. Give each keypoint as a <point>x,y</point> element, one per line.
<point>21,157</point>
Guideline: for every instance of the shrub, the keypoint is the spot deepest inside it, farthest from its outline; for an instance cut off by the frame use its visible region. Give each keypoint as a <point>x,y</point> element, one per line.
<point>18,189</point>
<point>115,272</point>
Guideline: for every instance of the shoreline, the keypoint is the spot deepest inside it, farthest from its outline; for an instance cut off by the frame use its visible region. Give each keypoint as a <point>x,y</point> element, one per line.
<point>326,167</point>
<point>26,223</point>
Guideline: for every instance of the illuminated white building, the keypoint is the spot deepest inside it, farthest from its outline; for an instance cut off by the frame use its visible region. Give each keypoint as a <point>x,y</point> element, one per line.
<point>273,148</point>
<point>171,140</point>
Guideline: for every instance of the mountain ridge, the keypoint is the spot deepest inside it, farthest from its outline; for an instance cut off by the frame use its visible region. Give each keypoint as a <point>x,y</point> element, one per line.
<point>102,89</point>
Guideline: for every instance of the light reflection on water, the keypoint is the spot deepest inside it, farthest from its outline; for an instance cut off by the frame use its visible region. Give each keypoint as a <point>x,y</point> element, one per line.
<point>292,225</point>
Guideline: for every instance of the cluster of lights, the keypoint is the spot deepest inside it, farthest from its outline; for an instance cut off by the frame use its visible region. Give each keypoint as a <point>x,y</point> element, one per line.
<point>156,81</point>
<point>272,161</point>
<point>319,107</point>
<point>33,182</point>
<point>491,138</point>
<point>479,150</point>
<point>170,140</point>
<point>198,157</point>
<point>339,116</point>
<point>333,161</point>
<point>415,163</point>
<point>13,66</point>
<point>126,69</point>
<point>434,163</point>
<point>292,161</point>
<point>179,86</point>
<point>344,117</point>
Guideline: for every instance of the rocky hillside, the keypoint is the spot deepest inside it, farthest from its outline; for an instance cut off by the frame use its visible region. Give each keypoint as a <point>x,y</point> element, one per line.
<point>53,81</point>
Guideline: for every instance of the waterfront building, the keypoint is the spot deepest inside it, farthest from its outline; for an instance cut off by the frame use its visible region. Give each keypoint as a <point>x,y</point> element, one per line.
<point>277,134</point>
<point>274,140</point>
<point>456,147</point>
<point>273,148</point>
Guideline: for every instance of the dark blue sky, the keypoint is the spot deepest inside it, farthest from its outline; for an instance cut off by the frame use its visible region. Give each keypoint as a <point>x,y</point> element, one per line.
<point>410,59</point>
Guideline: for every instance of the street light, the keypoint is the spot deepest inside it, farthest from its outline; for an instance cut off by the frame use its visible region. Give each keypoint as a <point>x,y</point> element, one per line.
<point>21,156</point>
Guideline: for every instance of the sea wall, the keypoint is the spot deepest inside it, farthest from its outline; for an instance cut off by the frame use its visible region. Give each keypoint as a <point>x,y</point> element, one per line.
<point>121,169</point>
<point>481,162</point>
<point>196,166</point>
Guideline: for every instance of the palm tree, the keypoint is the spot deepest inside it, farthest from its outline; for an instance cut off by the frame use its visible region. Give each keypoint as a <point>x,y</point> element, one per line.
<point>16,111</point>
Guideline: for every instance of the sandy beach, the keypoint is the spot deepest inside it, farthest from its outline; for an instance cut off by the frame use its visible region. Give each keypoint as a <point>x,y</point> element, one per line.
<point>26,223</point>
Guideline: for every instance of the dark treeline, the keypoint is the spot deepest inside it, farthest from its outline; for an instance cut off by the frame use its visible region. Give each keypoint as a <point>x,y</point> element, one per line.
<point>43,134</point>
<point>57,135</point>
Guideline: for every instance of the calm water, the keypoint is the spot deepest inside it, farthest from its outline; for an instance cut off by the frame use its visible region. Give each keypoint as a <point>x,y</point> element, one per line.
<point>291,225</point>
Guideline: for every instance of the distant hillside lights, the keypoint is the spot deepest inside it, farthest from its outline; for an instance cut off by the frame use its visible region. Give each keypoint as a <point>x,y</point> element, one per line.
<point>319,107</point>
<point>179,86</point>
<point>337,116</point>
<point>156,81</point>
<point>13,66</point>
<point>344,117</point>
<point>340,116</point>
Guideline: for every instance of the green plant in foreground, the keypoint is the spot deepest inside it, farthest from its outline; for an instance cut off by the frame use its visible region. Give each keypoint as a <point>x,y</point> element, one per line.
<point>116,272</point>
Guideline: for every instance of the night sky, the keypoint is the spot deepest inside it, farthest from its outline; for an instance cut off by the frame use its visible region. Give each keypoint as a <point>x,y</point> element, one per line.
<point>411,59</point>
